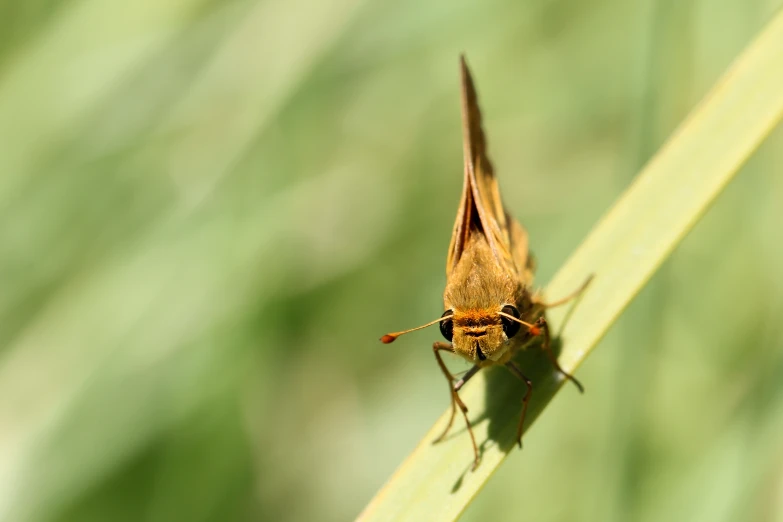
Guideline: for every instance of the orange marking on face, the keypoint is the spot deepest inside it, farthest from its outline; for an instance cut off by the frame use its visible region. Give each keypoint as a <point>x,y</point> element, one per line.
<point>476,318</point>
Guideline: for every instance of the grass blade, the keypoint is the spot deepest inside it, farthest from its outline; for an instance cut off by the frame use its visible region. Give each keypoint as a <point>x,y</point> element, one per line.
<point>623,251</point>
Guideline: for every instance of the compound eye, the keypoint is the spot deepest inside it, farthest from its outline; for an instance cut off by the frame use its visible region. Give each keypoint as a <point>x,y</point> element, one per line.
<point>510,328</point>
<point>447,326</point>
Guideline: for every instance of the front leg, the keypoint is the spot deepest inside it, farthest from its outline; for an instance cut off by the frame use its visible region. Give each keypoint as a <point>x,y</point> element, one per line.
<point>543,326</point>
<point>437,347</point>
<point>516,371</point>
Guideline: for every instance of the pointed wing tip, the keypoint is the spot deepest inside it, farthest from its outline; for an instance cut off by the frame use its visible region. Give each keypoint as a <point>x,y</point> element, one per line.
<point>463,65</point>
<point>465,76</point>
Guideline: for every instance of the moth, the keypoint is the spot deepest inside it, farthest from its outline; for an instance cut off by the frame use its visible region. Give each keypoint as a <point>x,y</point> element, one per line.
<point>491,310</point>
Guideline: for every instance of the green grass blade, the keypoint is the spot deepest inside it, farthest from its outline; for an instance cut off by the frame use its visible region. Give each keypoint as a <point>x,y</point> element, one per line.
<point>623,251</point>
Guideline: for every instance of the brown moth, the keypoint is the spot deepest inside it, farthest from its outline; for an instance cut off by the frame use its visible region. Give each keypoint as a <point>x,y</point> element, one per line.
<point>491,310</point>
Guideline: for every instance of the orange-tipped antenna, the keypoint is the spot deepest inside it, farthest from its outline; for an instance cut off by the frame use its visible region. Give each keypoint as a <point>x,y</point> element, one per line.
<point>390,337</point>
<point>535,330</point>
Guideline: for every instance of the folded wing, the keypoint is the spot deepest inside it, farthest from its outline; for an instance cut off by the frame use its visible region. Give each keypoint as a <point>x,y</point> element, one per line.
<point>481,207</point>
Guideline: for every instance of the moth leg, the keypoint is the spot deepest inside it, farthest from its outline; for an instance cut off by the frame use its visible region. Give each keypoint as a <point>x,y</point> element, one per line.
<point>564,300</point>
<point>516,371</point>
<point>454,387</point>
<point>436,347</point>
<point>546,345</point>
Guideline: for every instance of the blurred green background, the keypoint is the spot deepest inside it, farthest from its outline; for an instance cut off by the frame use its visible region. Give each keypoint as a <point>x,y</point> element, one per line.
<point>210,211</point>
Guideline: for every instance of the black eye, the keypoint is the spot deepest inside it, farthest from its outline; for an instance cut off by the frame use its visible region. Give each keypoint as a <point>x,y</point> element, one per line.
<point>510,327</point>
<point>447,326</point>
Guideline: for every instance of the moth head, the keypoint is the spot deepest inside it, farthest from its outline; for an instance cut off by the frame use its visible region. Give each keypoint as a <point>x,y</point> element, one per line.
<point>482,337</point>
<point>479,336</point>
